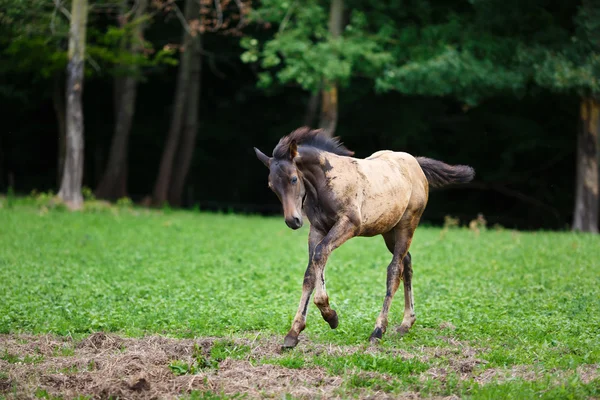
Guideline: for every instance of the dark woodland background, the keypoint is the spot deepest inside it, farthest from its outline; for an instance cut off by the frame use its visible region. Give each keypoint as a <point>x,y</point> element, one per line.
<point>522,144</point>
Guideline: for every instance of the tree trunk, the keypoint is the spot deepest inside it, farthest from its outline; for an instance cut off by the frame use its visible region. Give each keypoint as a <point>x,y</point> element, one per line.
<point>163,180</point>
<point>58,101</point>
<point>329,109</point>
<point>190,128</point>
<point>113,184</point>
<point>70,188</point>
<point>329,103</point>
<point>311,108</point>
<point>585,217</point>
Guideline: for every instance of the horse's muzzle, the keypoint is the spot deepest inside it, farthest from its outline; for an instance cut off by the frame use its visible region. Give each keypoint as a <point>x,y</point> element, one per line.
<point>294,222</point>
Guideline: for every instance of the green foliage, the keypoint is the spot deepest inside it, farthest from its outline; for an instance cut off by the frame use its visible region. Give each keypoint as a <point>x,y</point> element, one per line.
<point>182,368</point>
<point>452,73</point>
<point>220,350</point>
<point>43,394</point>
<point>88,194</point>
<point>180,277</point>
<point>303,52</point>
<point>37,43</point>
<point>377,384</point>
<point>291,360</point>
<point>27,359</point>
<point>466,51</point>
<point>124,202</point>
<point>370,362</point>
<point>209,395</point>
<point>544,389</point>
<point>223,349</point>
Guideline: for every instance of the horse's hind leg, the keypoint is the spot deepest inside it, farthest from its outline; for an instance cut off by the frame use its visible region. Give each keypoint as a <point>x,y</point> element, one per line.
<point>409,307</point>
<point>394,273</point>
<point>401,237</point>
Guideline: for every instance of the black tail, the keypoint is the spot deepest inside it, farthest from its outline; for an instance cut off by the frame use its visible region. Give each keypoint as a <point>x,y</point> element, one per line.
<point>440,174</point>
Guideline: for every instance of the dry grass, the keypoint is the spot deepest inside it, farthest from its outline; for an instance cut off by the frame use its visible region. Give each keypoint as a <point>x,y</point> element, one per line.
<point>106,365</point>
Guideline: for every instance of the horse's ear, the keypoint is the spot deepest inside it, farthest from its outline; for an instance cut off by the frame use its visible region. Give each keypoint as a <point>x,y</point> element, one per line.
<point>263,157</point>
<point>293,149</point>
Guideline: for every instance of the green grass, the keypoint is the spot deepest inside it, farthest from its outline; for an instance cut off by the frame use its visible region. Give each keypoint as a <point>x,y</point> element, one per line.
<point>520,298</point>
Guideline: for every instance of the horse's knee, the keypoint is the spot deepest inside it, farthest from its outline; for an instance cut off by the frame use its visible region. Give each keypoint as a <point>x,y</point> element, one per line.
<point>407,260</point>
<point>318,255</point>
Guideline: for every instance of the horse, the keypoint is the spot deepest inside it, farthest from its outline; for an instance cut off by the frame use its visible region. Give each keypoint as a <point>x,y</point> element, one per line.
<point>344,197</point>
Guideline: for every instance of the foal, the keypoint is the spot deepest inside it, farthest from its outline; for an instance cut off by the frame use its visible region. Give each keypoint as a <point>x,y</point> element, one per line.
<point>343,197</point>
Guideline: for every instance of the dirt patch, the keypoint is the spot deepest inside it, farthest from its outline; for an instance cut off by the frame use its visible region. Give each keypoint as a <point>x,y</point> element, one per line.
<point>459,359</point>
<point>525,372</point>
<point>105,365</point>
<point>588,373</point>
<point>238,376</point>
<point>447,325</point>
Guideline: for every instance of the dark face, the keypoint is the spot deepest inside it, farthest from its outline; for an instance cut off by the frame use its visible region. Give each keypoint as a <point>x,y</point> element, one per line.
<point>286,182</point>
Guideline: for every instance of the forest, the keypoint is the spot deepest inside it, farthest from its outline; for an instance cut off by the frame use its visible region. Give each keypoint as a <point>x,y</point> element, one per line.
<point>162,101</point>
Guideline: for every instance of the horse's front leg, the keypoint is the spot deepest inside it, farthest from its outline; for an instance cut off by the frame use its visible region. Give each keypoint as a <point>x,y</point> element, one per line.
<point>291,339</point>
<point>342,231</point>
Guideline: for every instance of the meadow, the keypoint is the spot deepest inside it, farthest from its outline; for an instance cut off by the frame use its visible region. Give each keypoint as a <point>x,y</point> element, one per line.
<point>117,301</point>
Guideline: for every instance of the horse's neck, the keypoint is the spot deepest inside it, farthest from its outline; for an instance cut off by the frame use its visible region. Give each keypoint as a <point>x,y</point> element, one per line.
<point>312,171</point>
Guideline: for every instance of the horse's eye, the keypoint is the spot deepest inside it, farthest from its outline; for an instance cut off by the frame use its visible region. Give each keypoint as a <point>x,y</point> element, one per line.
<point>294,180</point>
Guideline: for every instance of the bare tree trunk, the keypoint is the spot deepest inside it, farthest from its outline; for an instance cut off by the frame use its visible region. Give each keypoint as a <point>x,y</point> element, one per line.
<point>113,184</point>
<point>311,108</point>
<point>58,101</point>
<point>329,103</point>
<point>190,128</point>
<point>163,180</point>
<point>585,217</point>
<point>70,188</point>
<point>329,109</point>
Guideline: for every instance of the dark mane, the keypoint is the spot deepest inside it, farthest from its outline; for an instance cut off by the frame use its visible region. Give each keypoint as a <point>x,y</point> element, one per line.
<point>315,138</point>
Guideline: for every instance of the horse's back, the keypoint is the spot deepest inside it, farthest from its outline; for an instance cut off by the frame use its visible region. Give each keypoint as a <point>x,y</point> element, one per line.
<point>403,161</point>
<point>414,174</point>
<point>392,183</point>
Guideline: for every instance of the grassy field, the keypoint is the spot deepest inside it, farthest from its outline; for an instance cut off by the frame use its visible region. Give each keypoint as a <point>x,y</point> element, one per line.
<point>198,305</point>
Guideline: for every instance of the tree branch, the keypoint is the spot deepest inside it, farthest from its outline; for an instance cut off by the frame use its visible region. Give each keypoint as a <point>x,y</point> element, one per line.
<point>181,18</point>
<point>286,17</point>
<point>219,16</point>
<point>242,20</point>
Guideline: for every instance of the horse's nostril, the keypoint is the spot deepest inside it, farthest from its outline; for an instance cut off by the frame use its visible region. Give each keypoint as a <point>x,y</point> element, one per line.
<point>297,220</point>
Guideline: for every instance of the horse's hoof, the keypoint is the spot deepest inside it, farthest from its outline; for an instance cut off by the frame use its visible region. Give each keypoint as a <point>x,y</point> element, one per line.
<point>376,336</point>
<point>333,321</point>
<point>290,342</point>
<point>405,326</point>
<point>403,329</point>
